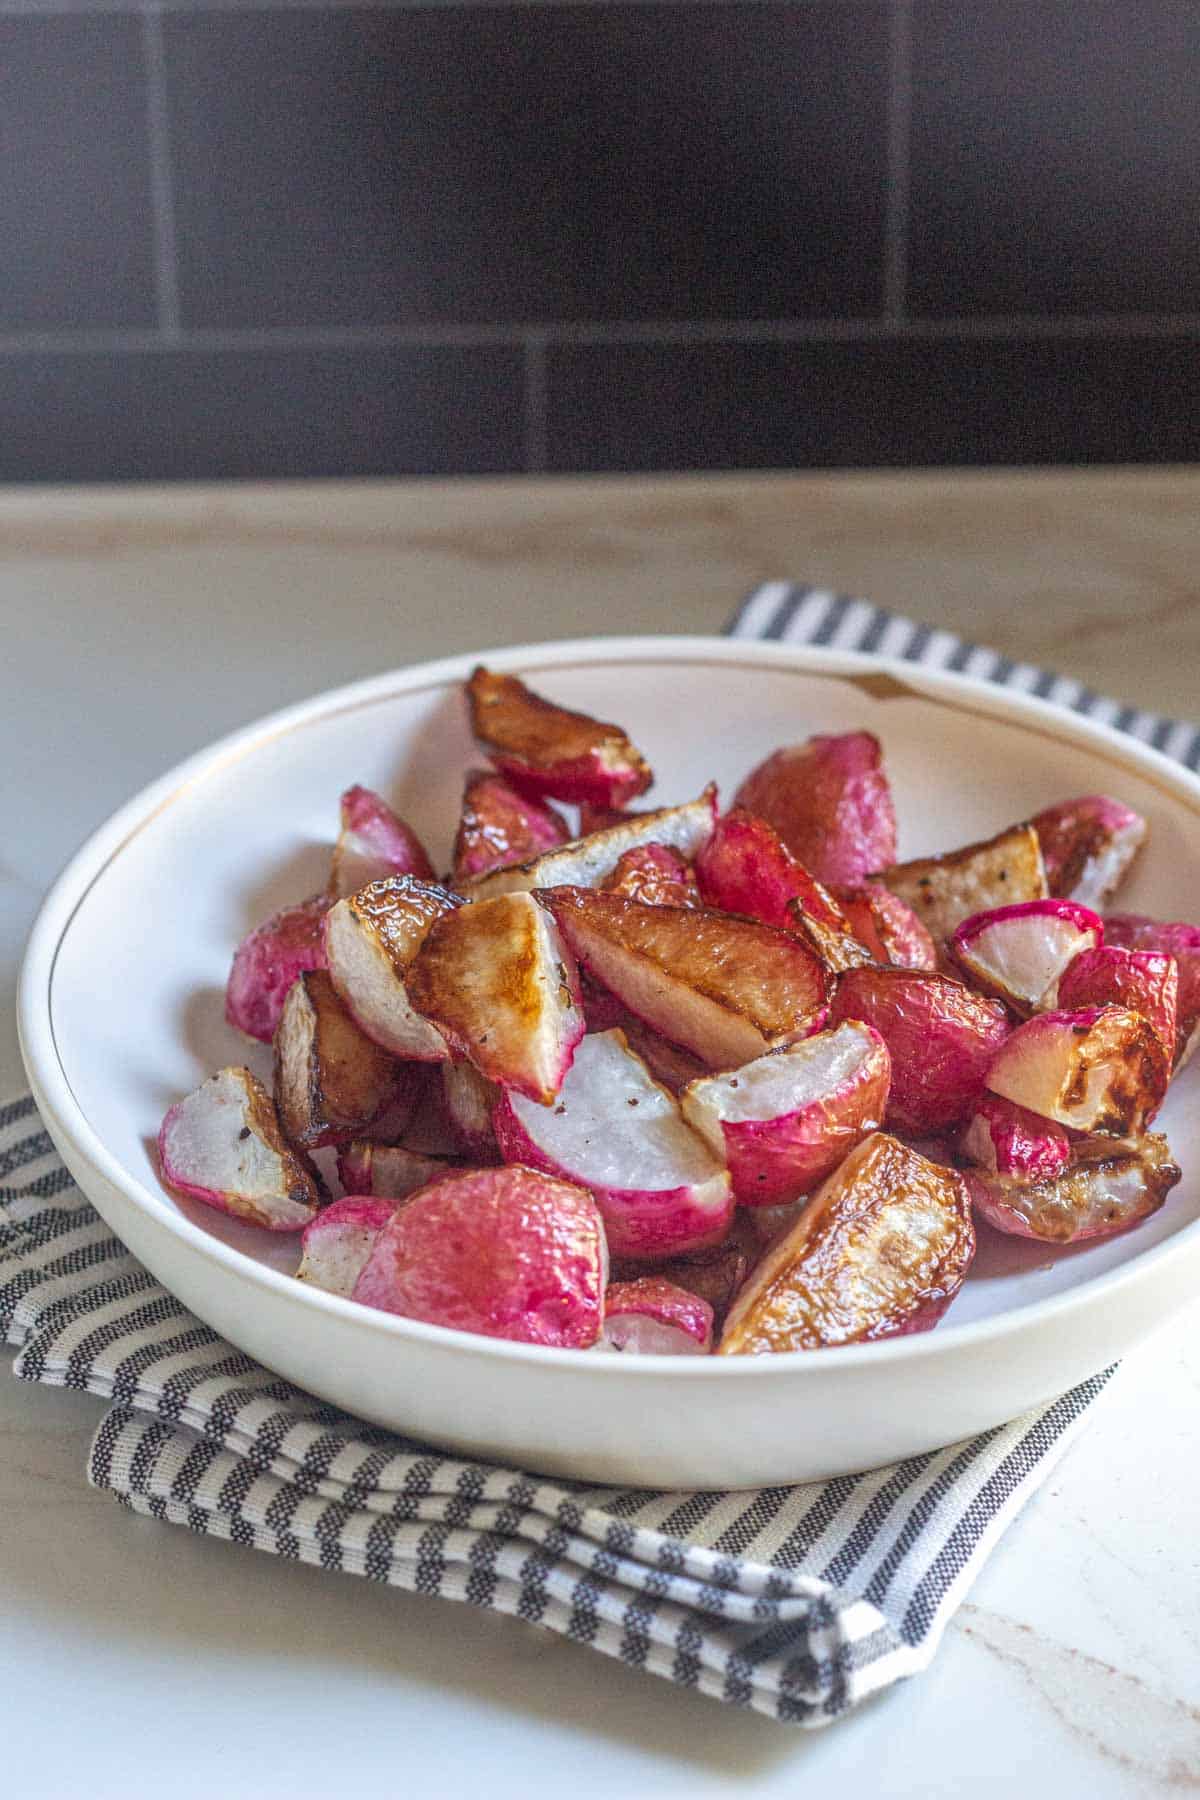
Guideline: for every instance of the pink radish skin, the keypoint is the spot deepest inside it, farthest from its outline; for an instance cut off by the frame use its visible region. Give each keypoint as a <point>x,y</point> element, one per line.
<point>830,802</point>
<point>499,827</point>
<point>655,875</point>
<point>1005,1139</point>
<point>1017,953</point>
<point>1090,1198</point>
<point>506,1253</point>
<point>1145,981</point>
<point>618,1133</point>
<point>887,926</point>
<point>336,1245</point>
<point>268,960</point>
<point>653,1317</point>
<point>223,1145</point>
<point>783,1123</point>
<point>1088,845</point>
<point>1133,931</point>
<point>372,844</point>
<point>1103,1070</point>
<point>746,868</point>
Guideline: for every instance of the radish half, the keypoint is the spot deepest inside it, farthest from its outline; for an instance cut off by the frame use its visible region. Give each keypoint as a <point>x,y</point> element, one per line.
<point>1017,953</point>
<point>653,1317</point>
<point>1089,1198</point>
<point>1103,1070</point>
<point>223,1145</point>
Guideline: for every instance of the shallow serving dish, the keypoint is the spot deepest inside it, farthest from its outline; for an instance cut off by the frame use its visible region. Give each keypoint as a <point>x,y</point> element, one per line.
<point>121,1012</point>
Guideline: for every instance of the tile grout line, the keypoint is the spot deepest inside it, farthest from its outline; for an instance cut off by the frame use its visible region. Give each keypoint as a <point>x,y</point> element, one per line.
<point>899,157</point>
<point>537,408</point>
<point>162,197</point>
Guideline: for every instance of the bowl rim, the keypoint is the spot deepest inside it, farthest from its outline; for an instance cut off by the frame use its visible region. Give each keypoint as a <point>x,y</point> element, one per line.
<point>888,675</point>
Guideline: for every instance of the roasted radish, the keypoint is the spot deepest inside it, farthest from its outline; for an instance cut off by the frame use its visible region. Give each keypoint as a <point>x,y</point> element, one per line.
<point>880,1250</point>
<point>372,844</point>
<point>1017,953</point>
<point>331,1079</point>
<point>223,1145</point>
<point>1103,1070</point>
<point>655,875</point>
<point>746,868</point>
<point>268,960</point>
<point>945,890</point>
<point>715,1274</point>
<point>1145,981</point>
<point>886,926</point>
<point>498,827</point>
<point>725,988</point>
<point>940,1035</point>
<point>830,802</point>
<point>615,1131</point>
<point>1088,846</point>
<point>372,938</point>
<point>783,1123</point>
<point>499,983</point>
<point>1088,1198</point>
<point>507,1253</point>
<point>589,861</point>
<point>544,749</point>
<point>336,1245</point>
<point>653,1317</point>
<point>470,1101</point>
<point>1005,1139</point>
<point>390,1171</point>
<point>1133,931</point>
<point>834,946</point>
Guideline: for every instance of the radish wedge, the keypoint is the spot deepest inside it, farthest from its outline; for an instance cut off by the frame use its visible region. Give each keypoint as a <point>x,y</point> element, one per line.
<point>1103,1070</point>
<point>498,827</point>
<point>941,1038</point>
<point>834,946</point>
<point>945,890</point>
<point>372,938</point>
<point>331,1080</point>
<point>1005,1139</point>
<point>714,1275</point>
<point>223,1145</point>
<point>830,802</point>
<point>1088,846</point>
<point>544,749</point>
<point>372,844</point>
<point>655,875</point>
<point>727,989</point>
<point>880,1250</point>
<point>470,1100</point>
<point>1086,1199</point>
<point>653,1317</point>
<point>502,987</point>
<point>506,1253</point>
<point>783,1123</point>
<point>390,1171</point>
<point>1145,981</point>
<point>746,868</point>
<point>1017,953</point>
<point>588,861</point>
<point>886,926</point>
<point>336,1245</point>
<point>1133,931</point>
<point>268,960</point>
<point>616,1132</point>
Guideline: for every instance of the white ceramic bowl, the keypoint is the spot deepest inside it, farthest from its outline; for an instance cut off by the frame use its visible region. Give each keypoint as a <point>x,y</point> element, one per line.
<point>121,1012</point>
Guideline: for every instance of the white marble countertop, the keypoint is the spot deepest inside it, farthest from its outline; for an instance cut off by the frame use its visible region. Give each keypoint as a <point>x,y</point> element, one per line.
<point>137,625</point>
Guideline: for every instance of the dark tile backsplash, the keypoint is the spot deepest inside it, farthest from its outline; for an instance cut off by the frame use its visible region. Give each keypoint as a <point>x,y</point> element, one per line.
<point>247,238</point>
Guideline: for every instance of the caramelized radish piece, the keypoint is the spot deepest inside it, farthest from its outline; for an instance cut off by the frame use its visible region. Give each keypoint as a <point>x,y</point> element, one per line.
<point>1017,953</point>
<point>372,844</point>
<point>1103,1070</point>
<point>830,802</point>
<point>886,926</point>
<point>372,938</point>
<point>498,827</point>
<point>941,1038</point>
<point>655,875</point>
<point>783,1123</point>
<point>945,890</point>
<point>506,1253</point>
<point>389,1171</point>
<point>470,1101</point>
<point>726,989</point>
<point>331,1080</point>
<point>1133,931</point>
<point>223,1145</point>
<point>1088,846</point>
<point>336,1245</point>
<point>1005,1139</point>
<point>835,946</point>
<point>268,960</point>
<point>544,749</point>
<point>1145,981</point>
<point>746,868</point>
<point>1086,1199</point>
<point>588,861</point>
<point>880,1250</point>
<point>616,1132</point>
<point>502,987</point>
<point>653,1317</point>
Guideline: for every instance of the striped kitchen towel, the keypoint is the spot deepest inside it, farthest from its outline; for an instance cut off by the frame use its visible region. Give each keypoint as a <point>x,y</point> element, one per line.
<point>798,1602</point>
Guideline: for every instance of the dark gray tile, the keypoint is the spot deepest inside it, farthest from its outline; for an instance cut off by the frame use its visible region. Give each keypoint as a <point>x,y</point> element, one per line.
<point>887,403</point>
<point>1055,157</point>
<point>178,415</point>
<point>76,243</point>
<point>456,164</point>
